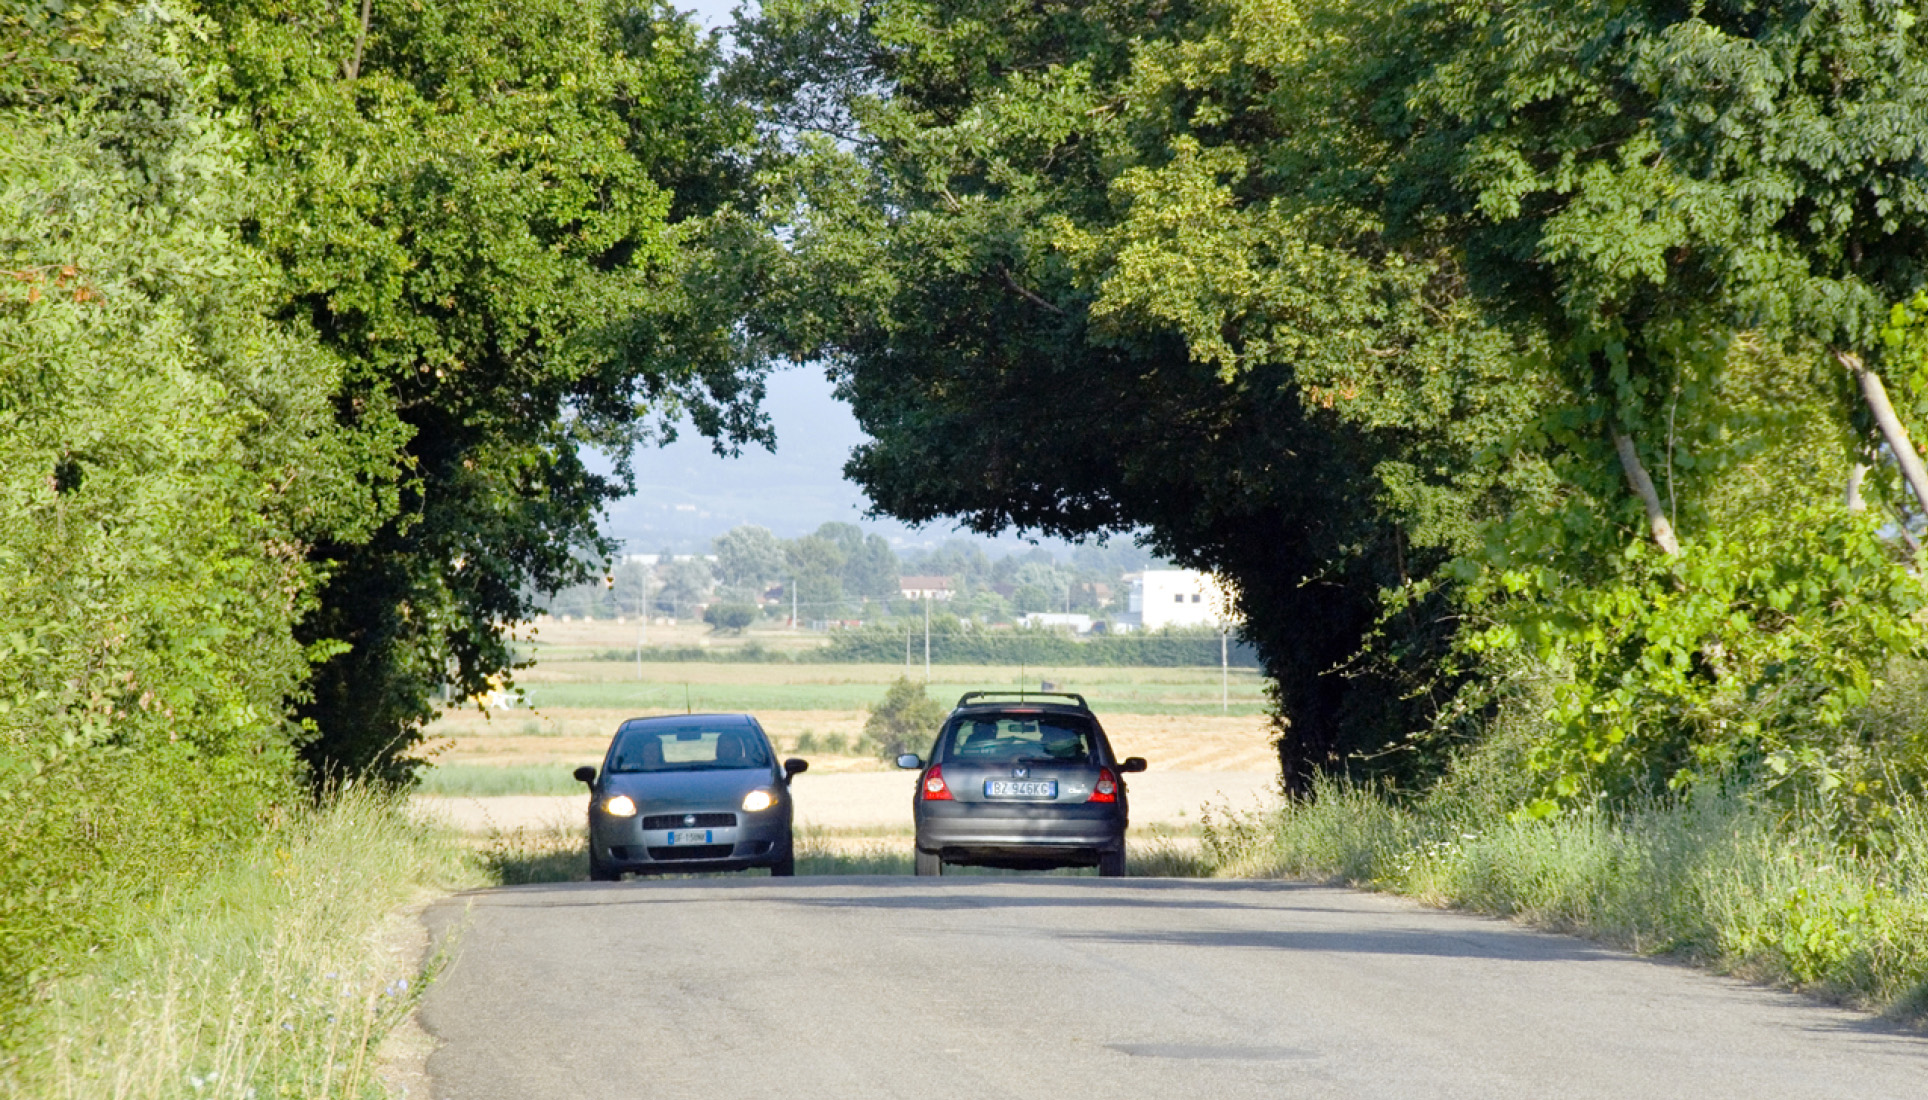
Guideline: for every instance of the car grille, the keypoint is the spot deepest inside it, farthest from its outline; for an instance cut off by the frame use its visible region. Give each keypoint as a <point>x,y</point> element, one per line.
<point>693,851</point>
<point>677,821</point>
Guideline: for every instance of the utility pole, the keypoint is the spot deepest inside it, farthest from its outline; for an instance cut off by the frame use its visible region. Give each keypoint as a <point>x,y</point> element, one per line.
<point>927,639</point>
<point>1224,673</point>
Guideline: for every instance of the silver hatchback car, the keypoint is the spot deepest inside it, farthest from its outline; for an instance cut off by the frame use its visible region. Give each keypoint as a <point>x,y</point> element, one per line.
<point>1021,780</point>
<point>689,792</point>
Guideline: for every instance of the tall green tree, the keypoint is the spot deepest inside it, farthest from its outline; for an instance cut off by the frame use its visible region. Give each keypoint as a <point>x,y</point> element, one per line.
<point>1644,180</point>
<point>815,565</point>
<point>1066,263</point>
<point>496,217</point>
<point>1684,200</point>
<point>748,558</point>
<point>167,454</point>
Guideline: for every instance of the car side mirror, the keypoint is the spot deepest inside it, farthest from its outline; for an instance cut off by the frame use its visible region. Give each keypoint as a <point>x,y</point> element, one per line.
<point>910,760</point>
<point>1132,764</point>
<point>586,774</point>
<point>793,766</point>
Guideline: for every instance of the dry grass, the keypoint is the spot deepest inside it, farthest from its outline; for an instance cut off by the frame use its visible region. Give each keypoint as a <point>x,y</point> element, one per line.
<point>276,977</point>
<point>1720,880</point>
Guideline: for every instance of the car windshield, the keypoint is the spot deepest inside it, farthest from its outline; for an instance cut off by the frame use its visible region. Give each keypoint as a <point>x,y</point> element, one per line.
<point>688,746</point>
<point>1000,738</point>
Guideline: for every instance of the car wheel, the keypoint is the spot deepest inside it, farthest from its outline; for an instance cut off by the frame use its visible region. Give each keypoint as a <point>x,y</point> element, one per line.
<point>785,867</point>
<point>1111,864</point>
<point>599,873</point>
<point>929,863</point>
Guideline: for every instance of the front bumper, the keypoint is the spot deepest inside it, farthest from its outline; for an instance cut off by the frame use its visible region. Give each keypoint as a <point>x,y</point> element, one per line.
<point>623,844</point>
<point>1016,835</point>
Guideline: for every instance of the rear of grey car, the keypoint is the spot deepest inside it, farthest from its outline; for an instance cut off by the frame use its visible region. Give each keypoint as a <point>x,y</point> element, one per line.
<point>683,793</point>
<point>1021,782</point>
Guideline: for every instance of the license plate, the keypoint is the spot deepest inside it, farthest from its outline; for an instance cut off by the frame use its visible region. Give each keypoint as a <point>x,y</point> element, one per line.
<point>689,836</point>
<point>1020,788</point>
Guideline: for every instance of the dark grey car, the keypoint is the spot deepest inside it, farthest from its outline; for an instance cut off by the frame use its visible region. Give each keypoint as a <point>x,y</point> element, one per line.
<point>1019,781</point>
<point>689,792</point>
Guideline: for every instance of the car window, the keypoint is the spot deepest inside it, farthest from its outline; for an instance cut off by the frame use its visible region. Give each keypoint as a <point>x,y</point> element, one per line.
<point>687,747</point>
<point>1004,738</point>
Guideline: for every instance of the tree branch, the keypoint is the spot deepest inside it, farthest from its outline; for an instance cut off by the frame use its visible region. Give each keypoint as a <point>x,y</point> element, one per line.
<point>1012,282</point>
<point>1643,486</point>
<point>1893,432</point>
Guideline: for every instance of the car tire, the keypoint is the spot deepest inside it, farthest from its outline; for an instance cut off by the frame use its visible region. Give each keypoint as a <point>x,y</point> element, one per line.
<point>929,863</point>
<point>599,873</point>
<point>1111,864</point>
<point>785,867</point>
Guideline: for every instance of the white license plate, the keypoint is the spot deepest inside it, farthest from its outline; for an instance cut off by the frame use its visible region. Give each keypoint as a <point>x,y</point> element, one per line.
<point>1020,788</point>
<point>689,836</point>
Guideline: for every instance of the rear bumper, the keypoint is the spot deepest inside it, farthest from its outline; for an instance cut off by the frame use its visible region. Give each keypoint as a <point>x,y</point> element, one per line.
<point>965,829</point>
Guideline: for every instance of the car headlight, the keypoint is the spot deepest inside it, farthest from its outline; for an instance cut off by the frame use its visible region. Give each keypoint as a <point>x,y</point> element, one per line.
<point>759,800</point>
<point>619,805</point>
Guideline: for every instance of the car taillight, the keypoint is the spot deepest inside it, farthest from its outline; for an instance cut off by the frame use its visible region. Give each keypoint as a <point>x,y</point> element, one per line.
<point>934,788</point>
<point>1106,788</point>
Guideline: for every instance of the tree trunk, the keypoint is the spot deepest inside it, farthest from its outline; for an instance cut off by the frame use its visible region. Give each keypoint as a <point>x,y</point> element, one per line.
<point>1853,497</point>
<point>1663,531</point>
<point>1893,432</point>
<point>361,39</point>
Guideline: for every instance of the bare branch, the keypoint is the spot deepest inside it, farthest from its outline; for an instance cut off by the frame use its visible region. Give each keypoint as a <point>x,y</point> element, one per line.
<point>1643,486</point>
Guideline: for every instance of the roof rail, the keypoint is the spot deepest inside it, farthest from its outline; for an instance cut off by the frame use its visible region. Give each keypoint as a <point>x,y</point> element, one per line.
<point>1022,695</point>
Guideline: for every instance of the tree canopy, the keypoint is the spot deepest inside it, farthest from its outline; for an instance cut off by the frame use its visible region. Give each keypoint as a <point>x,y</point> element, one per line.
<point>1404,320</point>
<point>496,218</point>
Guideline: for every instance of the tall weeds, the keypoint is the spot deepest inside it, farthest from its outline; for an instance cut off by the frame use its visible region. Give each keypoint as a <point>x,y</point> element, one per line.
<point>270,978</point>
<point>1720,878</point>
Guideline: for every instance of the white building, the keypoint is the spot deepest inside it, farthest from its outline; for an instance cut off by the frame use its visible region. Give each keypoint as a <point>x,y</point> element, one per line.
<point>925,588</point>
<point>1057,620</point>
<point>1178,597</point>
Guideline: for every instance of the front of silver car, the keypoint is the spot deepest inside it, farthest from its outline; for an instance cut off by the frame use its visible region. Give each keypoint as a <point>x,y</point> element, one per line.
<point>687,793</point>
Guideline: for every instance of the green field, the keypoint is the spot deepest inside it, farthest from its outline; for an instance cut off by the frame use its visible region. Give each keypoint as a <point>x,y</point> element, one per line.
<point>601,685</point>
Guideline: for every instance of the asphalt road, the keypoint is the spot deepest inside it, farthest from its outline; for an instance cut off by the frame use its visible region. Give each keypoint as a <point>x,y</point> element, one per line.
<point>1026,987</point>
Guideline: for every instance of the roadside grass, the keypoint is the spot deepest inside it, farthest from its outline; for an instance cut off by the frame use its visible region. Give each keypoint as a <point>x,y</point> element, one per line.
<point>268,978</point>
<point>495,780</point>
<point>1719,880</point>
<point>555,852</point>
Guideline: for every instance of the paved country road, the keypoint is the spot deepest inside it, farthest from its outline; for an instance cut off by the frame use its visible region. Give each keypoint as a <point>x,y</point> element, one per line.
<point>847,988</point>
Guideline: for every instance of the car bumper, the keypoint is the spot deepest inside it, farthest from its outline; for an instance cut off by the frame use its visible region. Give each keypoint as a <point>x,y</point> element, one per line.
<point>965,829</point>
<point>622,844</point>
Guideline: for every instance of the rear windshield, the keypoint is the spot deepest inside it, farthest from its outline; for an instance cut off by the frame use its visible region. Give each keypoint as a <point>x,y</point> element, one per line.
<point>1040,738</point>
<point>688,747</point>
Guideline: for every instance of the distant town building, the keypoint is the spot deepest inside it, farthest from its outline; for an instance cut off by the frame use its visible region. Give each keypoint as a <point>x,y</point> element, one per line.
<point>1176,597</point>
<point>925,588</point>
<point>1057,620</point>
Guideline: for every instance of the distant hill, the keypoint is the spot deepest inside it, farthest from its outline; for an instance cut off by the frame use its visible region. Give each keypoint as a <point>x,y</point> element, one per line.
<point>687,495</point>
